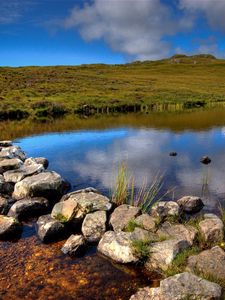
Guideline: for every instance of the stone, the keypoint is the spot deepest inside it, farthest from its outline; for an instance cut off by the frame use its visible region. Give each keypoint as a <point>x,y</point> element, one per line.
<point>13,152</point>
<point>15,176</point>
<point>47,184</point>
<point>94,226</point>
<point>190,204</point>
<point>180,287</point>
<point>49,229</point>
<point>5,187</point>
<point>74,245</point>
<point>205,160</point>
<point>180,231</point>
<point>210,262</point>
<point>173,154</point>
<point>212,230</point>
<point>163,253</point>
<point>9,227</point>
<point>67,211</point>
<point>122,215</point>
<point>89,200</point>
<point>4,205</point>
<point>144,235</point>
<point>146,221</point>
<point>10,164</point>
<point>164,209</point>
<point>6,143</point>
<point>37,160</point>
<point>117,246</point>
<point>29,207</point>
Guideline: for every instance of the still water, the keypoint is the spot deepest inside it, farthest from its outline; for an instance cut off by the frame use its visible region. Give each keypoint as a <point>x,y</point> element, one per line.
<point>87,153</point>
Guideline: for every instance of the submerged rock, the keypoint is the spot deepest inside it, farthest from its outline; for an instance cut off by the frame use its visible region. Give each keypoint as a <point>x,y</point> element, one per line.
<point>94,226</point>
<point>9,227</point>
<point>146,221</point>
<point>212,230</point>
<point>117,246</point>
<point>74,245</point>
<point>173,154</point>
<point>29,207</point>
<point>205,160</point>
<point>10,164</point>
<point>49,229</point>
<point>164,209</point>
<point>46,184</point>
<point>15,176</point>
<point>37,160</point>
<point>181,286</point>
<point>122,215</point>
<point>190,204</point>
<point>210,262</point>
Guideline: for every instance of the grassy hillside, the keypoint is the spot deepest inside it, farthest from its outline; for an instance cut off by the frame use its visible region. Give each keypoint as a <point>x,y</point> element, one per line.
<point>42,91</point>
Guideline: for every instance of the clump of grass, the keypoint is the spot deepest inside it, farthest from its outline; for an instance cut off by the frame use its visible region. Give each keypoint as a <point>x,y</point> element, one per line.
<point>61,218</point>
<point>120,191</point>
<point>179,263</point>
<point>132,224</point>
<point>142,248</point>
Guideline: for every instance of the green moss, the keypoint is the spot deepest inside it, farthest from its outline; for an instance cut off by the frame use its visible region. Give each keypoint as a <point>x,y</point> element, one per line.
<point>61,218</point>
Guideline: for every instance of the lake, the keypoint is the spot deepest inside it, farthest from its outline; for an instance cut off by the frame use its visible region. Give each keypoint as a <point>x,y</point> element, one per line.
<point>87,152</point>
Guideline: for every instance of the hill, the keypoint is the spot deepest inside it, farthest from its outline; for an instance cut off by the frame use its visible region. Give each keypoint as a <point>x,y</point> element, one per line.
<point>186,81</point>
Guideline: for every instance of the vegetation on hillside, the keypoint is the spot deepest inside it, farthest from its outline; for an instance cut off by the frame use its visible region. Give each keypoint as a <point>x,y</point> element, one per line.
<point>52,91</point>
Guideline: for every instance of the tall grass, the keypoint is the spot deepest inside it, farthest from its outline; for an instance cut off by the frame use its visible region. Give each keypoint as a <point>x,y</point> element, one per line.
<point>126,192</point>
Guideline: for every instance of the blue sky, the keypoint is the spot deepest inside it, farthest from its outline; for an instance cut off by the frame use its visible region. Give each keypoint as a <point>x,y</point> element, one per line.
<point>73,32</point>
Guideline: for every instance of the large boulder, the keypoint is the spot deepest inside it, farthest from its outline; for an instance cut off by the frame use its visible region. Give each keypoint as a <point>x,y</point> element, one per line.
<point>74,245</point>
<point>46,184</point>
<point>10,164</point>
<point>180,231</point>
<point>210,262</point>
<point>9,227</point>
<point>67,211</point>
<point>89,200</point>
<point>165,209</point>
<point>163,253</point>
<point>49,229</point>
<point>146,221</point>
<point>181,286</point>
<point>212,230</point>
<point>122,215</point>
<point>94,226</point>
<point>29,207</point>
<point>190,204</point>
<point>37,160</point>
<point>15,176</point>
<point>117,246</point>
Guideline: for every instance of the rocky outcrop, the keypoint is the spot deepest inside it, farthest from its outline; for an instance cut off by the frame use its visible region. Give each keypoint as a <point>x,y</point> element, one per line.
<point>212,230</point>
<point>9,227</point>
<point>117,246</point>
<point>74,245</point>
<point>146,221</point>
<point>165,209</point>
<point>190,204</point>
<point>50,229</point>
<point>122,215</point>
<point>179,231</point>
<point>163,253</point>
<point>37,160</point>
<point>15,176</point>
<point>181,286</point>
<point>29,207</point>
<point>94,226</point>
<point>210,262</point>
<point>46,184</point>
<point>10,164</point>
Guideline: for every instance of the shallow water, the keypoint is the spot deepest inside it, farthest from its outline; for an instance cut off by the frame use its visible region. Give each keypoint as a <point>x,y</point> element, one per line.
<point>90,157</point>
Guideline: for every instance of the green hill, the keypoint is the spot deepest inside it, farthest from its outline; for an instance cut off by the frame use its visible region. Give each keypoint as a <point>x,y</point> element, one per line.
<point>186,81</point>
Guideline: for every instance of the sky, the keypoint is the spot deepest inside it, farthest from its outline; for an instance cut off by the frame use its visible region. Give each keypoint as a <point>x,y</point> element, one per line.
<point>74,32</point>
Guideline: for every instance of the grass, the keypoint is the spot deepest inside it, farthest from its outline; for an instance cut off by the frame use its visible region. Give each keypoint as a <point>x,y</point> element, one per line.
<point>61,218</point>
<point>142,248</point>
<point>132,224</point>
<point>173,84</point>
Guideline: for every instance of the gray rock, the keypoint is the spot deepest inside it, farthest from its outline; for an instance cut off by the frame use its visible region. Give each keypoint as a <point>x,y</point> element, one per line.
<point>180,231</point>
<point>94,226</point>
<point>74,245</point>
<point>13,152</point>
<point>9,227</point>
<point>10,164</point>
<point>89,200</point>
<point>49,229</point>
<point>117,246</point>
<point>29,207</point>
<point>212,230</point>
<point>144,235</point>
<point>163,253</point>
<point>180,287</point>
<point>122,215</point>
<point>146,221</point>
<point>210,262</point>
<point>6,143</point>
<point>164,209</point>
<point>37,160</point>
<point>46,184</point>
<point>24,171</point>
<point>190,204</point>
<point>67,211</point>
